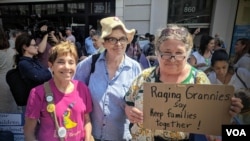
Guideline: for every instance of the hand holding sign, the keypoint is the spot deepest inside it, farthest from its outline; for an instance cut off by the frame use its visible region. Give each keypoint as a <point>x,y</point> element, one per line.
<point>134,115</point>
<point>188,108</point>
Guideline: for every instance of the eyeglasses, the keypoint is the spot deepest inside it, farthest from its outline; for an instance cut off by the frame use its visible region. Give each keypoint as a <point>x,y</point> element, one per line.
<point>114,40</point>
<point>168,56</point>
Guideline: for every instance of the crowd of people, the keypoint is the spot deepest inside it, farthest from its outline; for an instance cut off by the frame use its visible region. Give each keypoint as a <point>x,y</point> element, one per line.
<point>75,96</point>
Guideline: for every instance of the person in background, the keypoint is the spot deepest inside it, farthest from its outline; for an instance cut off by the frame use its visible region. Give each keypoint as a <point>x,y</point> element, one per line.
<point>97,42</point>
<point>13,35</point>
<point>149,49</point>
<point>201,59</point>
<point>242,53</point>
<point>114,72</point>
<point>69,36</point>
<point>220,40</point>
<point>89,43</point>
<point>72,101</point>
<point>147,35</point>
<point>31,69</point>
<point>133,49</point>
<point>173,46</point>
<point>195,32</point>
<point>217,44</point>
<point>7,102</point>
<point>225,74</point>
<point>45,41</point>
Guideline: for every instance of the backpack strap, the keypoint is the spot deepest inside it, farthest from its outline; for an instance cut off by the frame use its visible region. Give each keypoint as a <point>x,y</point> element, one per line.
<point>51,108</point>
<point>245,85</point>
<point>94,59</point>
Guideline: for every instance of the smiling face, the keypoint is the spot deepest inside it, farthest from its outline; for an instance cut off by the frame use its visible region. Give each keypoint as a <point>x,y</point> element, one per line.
<point>64,67</point>
<point>62,61</point>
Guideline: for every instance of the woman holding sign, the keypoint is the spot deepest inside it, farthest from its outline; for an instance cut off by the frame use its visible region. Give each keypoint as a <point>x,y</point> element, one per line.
<point>173,46</point>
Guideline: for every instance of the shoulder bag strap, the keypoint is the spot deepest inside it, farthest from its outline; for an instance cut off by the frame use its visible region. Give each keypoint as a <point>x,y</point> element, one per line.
<point>240,79</point>
<point>51,108</point>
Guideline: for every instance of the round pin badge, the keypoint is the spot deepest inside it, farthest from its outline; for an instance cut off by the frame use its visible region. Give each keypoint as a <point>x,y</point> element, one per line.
<point>62,132</point>
<point>49,98</point>
<point>51,108</point>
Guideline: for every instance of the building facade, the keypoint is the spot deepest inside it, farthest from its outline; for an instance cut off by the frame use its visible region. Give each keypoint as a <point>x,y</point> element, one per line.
<point>220,17</point>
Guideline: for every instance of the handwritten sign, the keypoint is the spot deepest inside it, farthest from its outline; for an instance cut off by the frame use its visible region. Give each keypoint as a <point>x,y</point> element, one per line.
<point>189,108</point>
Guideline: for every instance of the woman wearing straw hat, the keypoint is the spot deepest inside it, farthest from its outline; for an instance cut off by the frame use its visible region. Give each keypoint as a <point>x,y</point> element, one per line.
<point>114,72</point>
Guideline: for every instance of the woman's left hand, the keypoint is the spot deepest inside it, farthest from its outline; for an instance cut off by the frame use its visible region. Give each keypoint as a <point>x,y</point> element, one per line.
<point>134,115</point>
<point>236,106</point>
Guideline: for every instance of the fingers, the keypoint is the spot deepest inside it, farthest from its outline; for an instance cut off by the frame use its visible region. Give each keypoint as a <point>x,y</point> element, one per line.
<point>236,106</point>
<point>134,115</point>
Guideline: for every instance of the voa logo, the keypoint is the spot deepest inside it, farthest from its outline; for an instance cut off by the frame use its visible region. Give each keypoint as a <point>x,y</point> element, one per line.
<point>236,132</point>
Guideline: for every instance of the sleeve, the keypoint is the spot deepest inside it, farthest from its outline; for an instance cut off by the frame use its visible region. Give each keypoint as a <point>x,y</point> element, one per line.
<point>201,78</point>
<point>212,77</point>
<point>83,70</point>
<point>33,72</point>
<point>35,102</point>
<point>137,70</point>
<point>244,75</point>
<point>133,91</point>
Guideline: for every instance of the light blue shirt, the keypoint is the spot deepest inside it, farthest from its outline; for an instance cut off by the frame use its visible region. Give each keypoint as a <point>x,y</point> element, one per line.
<point>89,46</point>
<point>108,118</point>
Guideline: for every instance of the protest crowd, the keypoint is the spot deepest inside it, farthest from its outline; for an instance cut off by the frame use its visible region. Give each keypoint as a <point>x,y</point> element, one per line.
<point>95,90</point>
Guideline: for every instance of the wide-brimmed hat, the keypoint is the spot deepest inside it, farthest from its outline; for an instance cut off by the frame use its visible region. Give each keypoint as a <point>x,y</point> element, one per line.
<point>111,22</point>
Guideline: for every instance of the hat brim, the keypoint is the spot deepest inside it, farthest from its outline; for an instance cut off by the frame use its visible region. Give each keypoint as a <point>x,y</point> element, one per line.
<point>109,23</point>
<point>130,33</point>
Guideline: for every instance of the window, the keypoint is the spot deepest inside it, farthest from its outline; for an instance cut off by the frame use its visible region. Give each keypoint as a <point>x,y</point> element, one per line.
<point>190,11</point>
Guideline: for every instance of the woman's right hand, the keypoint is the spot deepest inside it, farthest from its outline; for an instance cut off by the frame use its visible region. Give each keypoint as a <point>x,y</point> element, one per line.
<point>134,114</point>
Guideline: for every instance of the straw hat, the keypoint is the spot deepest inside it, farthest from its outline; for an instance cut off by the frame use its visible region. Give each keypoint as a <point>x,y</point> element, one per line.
<point>111,22</point>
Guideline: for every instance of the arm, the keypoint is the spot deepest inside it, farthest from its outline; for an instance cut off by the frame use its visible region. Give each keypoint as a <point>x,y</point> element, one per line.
<point>192,61</point>
<point>34,73</point>
<point>87,127</point>
<point>134,114</point>
<point>53,37</point>
<point>29,129</point>
<point>43,43</point>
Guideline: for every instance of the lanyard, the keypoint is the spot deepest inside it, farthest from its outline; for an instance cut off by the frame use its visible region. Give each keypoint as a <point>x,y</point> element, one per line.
<point>51,108</point>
